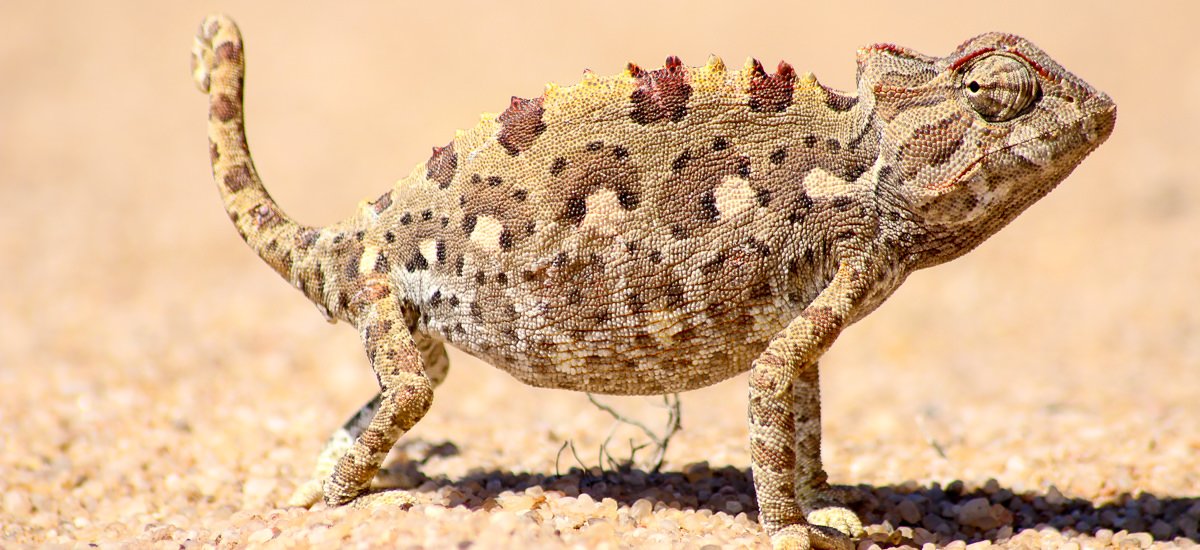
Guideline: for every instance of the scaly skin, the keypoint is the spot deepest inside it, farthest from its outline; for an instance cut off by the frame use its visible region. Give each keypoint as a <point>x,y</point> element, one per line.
<point>660,231</point>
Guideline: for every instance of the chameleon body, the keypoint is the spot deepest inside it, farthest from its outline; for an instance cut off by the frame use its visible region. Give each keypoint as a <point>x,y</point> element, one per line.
<point>662,230</point>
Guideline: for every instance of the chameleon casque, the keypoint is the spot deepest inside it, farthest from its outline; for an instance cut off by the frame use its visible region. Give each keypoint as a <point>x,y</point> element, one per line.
<point>663,230</point>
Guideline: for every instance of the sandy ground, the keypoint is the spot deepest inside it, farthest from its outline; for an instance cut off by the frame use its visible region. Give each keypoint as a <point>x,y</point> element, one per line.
<point>159,386</point>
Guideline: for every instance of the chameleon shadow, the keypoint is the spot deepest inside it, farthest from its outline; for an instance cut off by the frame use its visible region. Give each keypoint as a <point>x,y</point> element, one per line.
<point>894,515</point>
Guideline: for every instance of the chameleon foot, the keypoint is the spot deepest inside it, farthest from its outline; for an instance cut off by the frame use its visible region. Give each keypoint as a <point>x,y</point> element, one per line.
<point>805,537</point>
<point>836,517</point>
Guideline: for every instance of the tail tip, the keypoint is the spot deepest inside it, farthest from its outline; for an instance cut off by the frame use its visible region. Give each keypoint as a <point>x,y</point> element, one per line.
<point>217,41</point>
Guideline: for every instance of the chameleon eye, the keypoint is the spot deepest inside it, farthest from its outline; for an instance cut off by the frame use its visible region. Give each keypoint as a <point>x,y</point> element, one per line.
<point>999,87</point>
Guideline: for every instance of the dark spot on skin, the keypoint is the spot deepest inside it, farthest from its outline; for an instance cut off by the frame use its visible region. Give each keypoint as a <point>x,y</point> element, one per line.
<point>441,166</point>
<point>758,246</point>
<point>506,239</point>
<point>476,179</point>
<point>225,107</point>
<point>655,257</point>
<point>416,262</point>
<point>530,227</point>
<point>521,124</point>
<point>801,208</point>
<point>390,237</point>
<point>594,146</point>
<point>854,171</point>
<point>213,153</point>
<point>520,195</point>
<point>558,166</point>
<point>468,223</point>
<point>679,232</point>
<point>743,168</point>
<point>847,234</point>
<point>494,180</point>
<point>631,247</point>
<point>810,141</point>
<point>445,221</point>
<point>764,197</point>
<point>833,144</point>
<point>436,299</point>
<point>681,161</point>
<point>771,93</point>
<point>343,301</point>
<point>381,263</point>
<point>560,260</point>
<point>350,270</point>
<point>337,239</point>
<point>720,144</point>
<point>458,266</point>
<point>406,218</point>
<point>476,311</point>
<point>575,210</point>
<point>574,296</point>
<point>238,178</point>
<point>620,152</point>
<point>453,301</point>
<point>427,215</point>
<point>628,200</point>
<point>660,95</point>
<point>480,278</point>
<point>778,156</point>
<point>440,247</point>
<point>502,278</point>
<point>842,203</point>
<point>708,207</point>
<point>229,51</point>
<point>358,235</point>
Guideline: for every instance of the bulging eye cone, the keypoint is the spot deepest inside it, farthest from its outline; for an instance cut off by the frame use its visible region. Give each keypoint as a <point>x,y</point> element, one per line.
<point>999,87</point>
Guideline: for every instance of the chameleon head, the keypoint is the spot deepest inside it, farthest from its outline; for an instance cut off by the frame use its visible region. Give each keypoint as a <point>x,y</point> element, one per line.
<point>970,140</point>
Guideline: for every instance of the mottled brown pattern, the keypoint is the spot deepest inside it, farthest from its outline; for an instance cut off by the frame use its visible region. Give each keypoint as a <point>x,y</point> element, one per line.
<point>441,166</point>
<point>932,145</point>
<point>729,222</point>
<point>598,166</point>
<point>661,94</point>
<point>520,124</point>
<point>771,93</point>
<point>237,178</point>
<point>226,107</point>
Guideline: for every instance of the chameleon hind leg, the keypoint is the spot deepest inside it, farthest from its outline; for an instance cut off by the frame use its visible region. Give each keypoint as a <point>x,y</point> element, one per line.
<point>408,367</point>
<point>437,365</point>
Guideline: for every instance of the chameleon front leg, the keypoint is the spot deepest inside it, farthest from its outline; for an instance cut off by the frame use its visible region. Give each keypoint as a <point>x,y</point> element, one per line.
<point>785,424</point>
<point>436,363</point>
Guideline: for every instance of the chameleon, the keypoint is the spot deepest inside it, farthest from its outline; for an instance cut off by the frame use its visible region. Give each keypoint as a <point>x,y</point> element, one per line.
<point>665,229</point>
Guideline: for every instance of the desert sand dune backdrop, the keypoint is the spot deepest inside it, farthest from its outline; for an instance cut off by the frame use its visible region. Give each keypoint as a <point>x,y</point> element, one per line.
<point>160,386</point>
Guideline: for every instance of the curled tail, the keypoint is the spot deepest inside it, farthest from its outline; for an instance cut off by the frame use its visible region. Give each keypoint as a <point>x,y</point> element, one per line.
<point>218,68</point>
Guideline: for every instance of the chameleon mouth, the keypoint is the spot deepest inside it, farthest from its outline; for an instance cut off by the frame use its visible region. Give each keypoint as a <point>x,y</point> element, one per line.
<point>1092,129</point>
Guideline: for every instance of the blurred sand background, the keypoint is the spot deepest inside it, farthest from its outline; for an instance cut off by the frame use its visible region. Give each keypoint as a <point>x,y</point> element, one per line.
<point>160,385</point>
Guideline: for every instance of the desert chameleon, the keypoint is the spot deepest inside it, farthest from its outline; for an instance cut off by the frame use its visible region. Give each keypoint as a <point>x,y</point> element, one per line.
<point>662,230</point>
